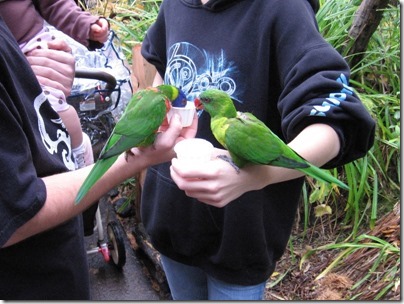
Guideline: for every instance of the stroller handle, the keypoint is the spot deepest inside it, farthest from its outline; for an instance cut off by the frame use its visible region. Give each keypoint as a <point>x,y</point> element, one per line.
<point>97,75</point>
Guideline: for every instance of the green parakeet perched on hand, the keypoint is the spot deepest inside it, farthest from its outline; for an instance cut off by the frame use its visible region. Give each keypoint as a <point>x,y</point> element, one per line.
<point>249,140</point>
<point>137,127</point>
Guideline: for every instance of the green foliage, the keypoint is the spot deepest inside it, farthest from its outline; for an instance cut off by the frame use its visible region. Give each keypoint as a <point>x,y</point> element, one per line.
<point>374,180</point>
<point>131,19</point>
<point>334,20</point>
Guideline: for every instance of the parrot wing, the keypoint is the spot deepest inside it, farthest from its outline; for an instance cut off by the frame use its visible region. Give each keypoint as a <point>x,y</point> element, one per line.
<point>145,114</point>
<point>136,127</point>
<point>250,141</point>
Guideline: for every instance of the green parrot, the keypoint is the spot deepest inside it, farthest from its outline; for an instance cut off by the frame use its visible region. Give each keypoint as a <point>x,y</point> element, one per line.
<point>249,140</point>
<point>137,127</point>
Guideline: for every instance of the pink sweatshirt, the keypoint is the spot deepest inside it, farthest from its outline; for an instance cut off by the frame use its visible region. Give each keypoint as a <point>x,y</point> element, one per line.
<point>25,18</point>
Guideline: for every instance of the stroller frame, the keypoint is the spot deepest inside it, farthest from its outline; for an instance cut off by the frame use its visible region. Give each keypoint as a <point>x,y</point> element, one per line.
<point>97,122</point>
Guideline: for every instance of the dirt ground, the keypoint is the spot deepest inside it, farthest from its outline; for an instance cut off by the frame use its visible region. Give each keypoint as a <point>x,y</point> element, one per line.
<point>292,281</point>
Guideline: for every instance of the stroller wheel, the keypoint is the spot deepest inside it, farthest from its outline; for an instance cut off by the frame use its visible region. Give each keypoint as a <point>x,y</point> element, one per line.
<point>116,244</point>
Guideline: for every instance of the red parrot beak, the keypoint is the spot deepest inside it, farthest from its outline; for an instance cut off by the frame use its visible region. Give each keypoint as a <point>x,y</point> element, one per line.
<point>198,104</point>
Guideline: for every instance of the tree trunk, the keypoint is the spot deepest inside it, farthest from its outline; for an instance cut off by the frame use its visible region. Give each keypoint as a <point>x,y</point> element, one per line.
<point>367,19</point>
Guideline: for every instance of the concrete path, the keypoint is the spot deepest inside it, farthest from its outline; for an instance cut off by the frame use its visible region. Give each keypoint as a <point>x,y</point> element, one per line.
<point>110,283</point>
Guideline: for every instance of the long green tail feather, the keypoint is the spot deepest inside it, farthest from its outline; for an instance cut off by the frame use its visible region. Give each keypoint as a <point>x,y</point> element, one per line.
<point>323,175</point>
<point>100,167</point>
<point>307,168</point>
<point>287,162</point>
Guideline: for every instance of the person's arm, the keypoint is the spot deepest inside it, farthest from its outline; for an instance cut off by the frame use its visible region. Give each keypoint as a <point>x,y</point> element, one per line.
<point>68,17</point>
<point>157,80</point>
<point>216,183</point>
<point>63,188</point>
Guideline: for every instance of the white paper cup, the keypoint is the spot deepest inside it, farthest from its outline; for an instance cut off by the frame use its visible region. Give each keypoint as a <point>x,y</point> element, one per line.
<point>194,150</point>
<point>186,113</point>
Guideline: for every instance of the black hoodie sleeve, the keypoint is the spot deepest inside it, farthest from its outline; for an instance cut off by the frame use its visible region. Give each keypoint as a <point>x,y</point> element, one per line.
<point>315,81</point>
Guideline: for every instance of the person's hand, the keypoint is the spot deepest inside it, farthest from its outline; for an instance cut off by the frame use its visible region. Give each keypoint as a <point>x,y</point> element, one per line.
<point>188,132</point>
<point>168,135</point>
<point>55,66</point>
<point>215,182</point>
<point>99,30</point>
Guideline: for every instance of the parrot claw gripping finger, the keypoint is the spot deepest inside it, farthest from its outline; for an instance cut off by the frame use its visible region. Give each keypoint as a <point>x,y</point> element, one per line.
<point>127,154</point>
<point>230,161</point>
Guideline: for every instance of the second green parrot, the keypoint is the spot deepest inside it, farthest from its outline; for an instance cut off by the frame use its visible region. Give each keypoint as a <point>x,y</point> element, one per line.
<point>137,127</point>
<point>249,140</point>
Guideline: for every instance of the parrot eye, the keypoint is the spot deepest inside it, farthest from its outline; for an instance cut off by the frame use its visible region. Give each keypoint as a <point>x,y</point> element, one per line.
<point>205,100</point>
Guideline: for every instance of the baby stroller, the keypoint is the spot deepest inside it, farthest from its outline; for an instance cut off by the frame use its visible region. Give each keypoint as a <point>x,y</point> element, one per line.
<point>94,109</point>
<point>100,92</point>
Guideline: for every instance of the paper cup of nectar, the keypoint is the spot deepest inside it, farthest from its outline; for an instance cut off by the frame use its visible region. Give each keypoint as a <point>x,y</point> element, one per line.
<point>186,113</point>
<point>194,150</point>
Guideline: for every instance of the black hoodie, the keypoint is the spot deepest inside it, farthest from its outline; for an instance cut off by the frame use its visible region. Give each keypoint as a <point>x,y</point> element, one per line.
<point>217,5</point>
<point>269,56</point>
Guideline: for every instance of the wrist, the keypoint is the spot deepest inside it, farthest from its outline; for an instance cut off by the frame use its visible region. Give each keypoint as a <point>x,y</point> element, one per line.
<point>260,176</point>
<point>129,164</point>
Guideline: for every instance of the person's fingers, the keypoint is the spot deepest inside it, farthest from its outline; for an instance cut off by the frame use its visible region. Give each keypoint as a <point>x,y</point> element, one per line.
<point>53,68</point>
<point>60,45</point>
<point>168,138</point>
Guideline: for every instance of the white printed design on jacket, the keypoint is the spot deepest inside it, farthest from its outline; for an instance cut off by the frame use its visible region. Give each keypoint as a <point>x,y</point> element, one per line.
<point>62,138</point>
